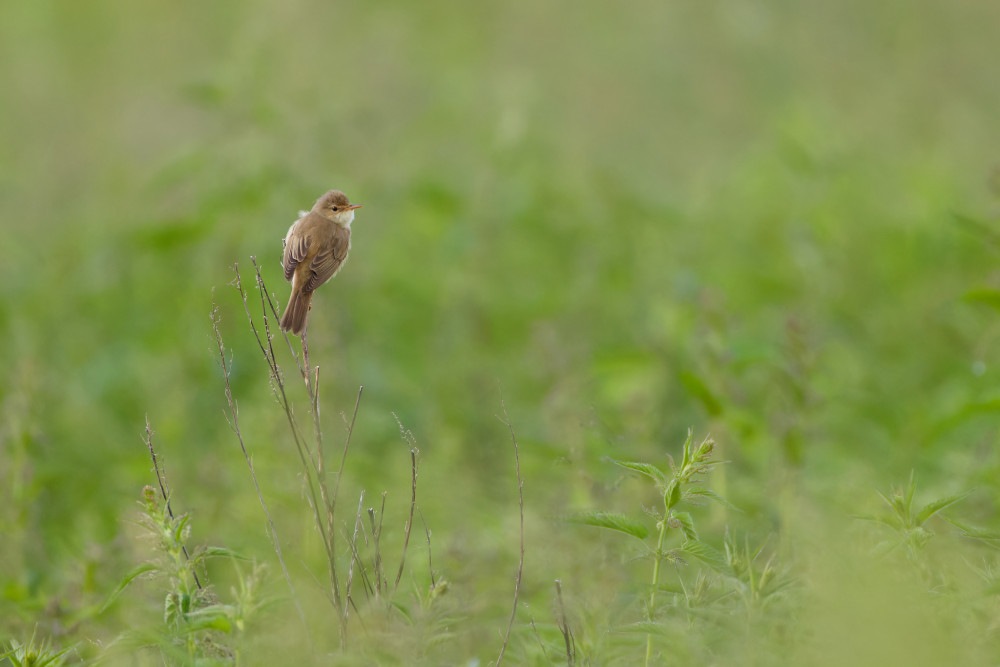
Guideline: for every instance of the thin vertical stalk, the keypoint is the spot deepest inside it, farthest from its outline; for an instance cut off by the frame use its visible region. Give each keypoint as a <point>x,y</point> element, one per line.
<point>657,560</point>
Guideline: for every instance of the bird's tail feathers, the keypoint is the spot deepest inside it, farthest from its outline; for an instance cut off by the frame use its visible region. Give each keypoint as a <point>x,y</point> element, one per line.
<point>294,319</point>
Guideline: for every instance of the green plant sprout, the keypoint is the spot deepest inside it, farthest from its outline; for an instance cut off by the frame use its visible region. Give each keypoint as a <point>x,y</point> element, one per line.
<point>678,486</point>
<point>906,521</point>
<point>192,614</point>
<point>34,653</point>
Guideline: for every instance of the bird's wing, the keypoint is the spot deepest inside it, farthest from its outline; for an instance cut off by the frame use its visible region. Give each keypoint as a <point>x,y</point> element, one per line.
<point>296,247</point>
<point>328,261</point>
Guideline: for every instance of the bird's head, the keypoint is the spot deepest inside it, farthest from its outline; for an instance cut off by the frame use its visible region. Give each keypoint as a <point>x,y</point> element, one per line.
<point>335,206</point>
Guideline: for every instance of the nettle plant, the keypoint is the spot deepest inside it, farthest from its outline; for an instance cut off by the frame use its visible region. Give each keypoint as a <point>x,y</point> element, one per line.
<point>197,626</point>
<point>679,486</point>
<point>908,522</point>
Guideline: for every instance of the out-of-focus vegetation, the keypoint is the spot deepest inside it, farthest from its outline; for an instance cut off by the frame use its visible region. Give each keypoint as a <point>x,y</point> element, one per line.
<point>773,222</point>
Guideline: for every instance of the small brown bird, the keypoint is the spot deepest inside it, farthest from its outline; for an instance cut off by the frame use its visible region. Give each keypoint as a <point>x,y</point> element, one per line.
<point>315,249</point>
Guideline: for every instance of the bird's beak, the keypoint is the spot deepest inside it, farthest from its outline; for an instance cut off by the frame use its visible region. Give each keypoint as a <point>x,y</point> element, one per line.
<point>354,206</point>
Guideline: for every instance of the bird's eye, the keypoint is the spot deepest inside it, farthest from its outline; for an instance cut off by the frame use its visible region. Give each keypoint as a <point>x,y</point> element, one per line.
<point>334,208</point>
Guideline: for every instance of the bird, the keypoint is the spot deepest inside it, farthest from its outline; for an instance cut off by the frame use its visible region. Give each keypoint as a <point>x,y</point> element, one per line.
<point>316,248</point>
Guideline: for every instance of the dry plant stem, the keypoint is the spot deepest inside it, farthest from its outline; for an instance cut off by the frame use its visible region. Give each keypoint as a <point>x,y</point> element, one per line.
<point>312,389</point>
<point>235,423</point>
<point>305,455</point>
<point>381,583</point>
<point>266,298</point>
<point>347,444</point>
<point>538,637</point>
<point>161,480</point>
<point>430,559</point>
<point>409,522</point>
<point>564,627</point>
<point>520,495</point>
<point>273,360</point>
<point>332,501</point>
<point>355,556</point>
<point>378,557</point>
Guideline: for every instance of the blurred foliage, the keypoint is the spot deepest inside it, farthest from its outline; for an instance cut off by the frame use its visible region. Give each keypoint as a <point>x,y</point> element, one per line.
<point>774,221</point>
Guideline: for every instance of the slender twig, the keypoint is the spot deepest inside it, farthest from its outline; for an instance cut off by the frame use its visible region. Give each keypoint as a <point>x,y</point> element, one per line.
<point>355,555</point>
<point>564,627</point>
<point>312,388</point>
<point>377,557</point>
<point>520,495</point>
<point>235,423</point>
<point>161,478</point>
<point>430,560</point>
<point>331,500</point>
<point>538,637</point>
<point>347,444</point>
<point>381,584</point>
<point>409,522</point>
<point>266,297</point>
<point>265,303</point>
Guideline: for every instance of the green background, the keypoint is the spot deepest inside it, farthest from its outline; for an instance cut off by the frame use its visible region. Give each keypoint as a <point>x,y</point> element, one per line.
<point>774,222</point>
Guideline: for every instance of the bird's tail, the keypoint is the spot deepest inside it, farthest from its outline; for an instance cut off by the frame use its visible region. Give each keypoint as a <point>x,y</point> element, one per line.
<point>294,319</point>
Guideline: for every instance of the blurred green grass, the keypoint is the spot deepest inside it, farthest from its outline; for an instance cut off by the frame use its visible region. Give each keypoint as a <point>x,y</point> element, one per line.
<point>635,218</point>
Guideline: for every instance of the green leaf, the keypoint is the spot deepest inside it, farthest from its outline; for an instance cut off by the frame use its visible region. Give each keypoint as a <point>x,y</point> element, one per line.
<point>895,503</point>
<point>180,526</point>
<point>672,496</point>
<point>687,449</point>
<point>711,495</point>
<point>403,610</point>
<point>706,554</point>
<point>209,618</point>
<point>214,552</point>
<point>933,508</point>
<point>705,449</point>
<point>911,489</point>
<point>973,532</point>
<point>647,469</point>
<point>126,580</point>
<point>687,525</point>
<point>612,521</point>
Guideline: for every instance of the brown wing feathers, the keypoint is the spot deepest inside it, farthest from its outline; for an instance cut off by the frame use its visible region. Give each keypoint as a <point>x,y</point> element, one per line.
<point>295,251</point>
<point>326,264</point>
